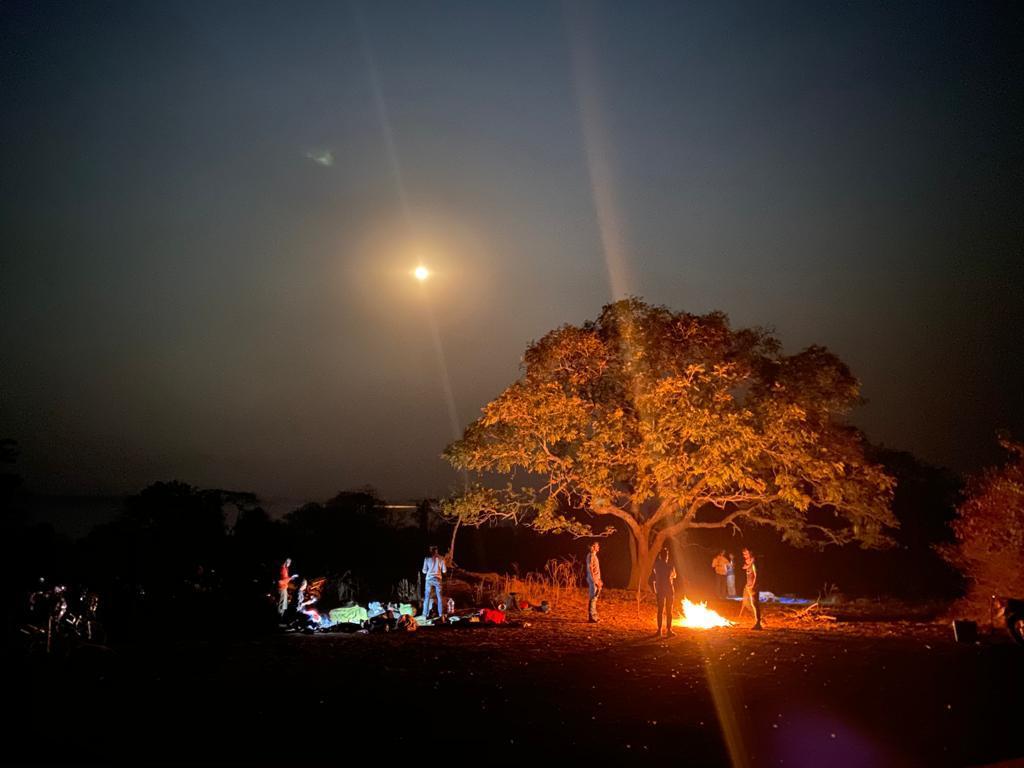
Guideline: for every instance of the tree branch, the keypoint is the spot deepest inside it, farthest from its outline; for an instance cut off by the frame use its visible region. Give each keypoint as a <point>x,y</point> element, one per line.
<point>626,517</point>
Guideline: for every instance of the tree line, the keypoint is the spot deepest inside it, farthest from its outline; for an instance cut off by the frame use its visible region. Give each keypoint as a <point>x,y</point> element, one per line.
<point>647,424</point>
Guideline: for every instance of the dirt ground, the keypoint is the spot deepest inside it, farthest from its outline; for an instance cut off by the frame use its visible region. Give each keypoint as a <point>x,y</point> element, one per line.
<point>862,691</point>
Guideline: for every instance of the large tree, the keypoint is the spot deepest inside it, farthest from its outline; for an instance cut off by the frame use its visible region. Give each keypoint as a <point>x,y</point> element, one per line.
<point>671,422</point>
<point>989,531</point>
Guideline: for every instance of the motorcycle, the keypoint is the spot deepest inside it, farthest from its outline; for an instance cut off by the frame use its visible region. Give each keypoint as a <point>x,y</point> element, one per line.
<point>53,626</point>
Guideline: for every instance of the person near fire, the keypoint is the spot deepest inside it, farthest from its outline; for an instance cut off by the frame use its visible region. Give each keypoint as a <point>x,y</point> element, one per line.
<point>663,581</point>
<point>730,577</point>
<point>751,589</point>
<point>720,565</point>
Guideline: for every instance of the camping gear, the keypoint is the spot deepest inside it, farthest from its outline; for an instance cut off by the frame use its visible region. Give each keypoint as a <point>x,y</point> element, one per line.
<point>350,614</point>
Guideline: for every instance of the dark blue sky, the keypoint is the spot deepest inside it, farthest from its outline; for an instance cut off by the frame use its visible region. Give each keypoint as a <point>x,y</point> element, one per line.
<point>210,210</point>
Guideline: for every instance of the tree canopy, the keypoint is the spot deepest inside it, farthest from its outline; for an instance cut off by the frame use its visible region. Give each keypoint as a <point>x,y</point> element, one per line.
<point>989,531</point>
<point>668,422</point>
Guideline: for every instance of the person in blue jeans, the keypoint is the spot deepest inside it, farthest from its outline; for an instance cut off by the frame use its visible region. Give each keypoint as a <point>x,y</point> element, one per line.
<point>730,577</point>
<point>433,568</point>
<point>594,582</point>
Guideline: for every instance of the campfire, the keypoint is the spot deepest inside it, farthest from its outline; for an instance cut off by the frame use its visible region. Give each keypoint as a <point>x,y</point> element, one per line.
<point>699,616</point>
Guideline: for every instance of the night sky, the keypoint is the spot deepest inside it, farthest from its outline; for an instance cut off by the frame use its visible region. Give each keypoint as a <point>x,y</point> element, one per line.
<point>210,212</point>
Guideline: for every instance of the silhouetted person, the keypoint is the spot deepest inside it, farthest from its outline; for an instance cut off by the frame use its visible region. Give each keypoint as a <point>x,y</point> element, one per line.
<point>663,582</point>
<point>594,582</point>
<point>751,589</point>
<point>433,568</point>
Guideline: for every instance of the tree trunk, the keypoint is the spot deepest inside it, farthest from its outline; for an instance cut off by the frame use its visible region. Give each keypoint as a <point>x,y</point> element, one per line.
<point>632,561</point>
<point>450,557</point>
<point>642,562</point>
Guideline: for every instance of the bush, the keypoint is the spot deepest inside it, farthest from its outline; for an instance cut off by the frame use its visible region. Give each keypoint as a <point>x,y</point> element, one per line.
<point>989,530</point>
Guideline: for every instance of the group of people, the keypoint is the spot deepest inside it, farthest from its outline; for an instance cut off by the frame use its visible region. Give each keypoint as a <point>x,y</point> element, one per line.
<point>662,581</point>
<point>725,581</point>
<point>304,602</point>
<point>434,567</point>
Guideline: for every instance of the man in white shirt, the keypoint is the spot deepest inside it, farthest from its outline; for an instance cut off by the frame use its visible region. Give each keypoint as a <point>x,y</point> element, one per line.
<point>720,565</point>
<point>433,567</point>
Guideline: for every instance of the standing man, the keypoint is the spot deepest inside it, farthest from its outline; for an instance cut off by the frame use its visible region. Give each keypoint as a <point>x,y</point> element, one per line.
<point>593,581</point>
<point>433,567</point>
<point>730,577</point>
<point>720,565</point>
<point>751,589</point>
<point>282,587</point>
<point>663,581</point>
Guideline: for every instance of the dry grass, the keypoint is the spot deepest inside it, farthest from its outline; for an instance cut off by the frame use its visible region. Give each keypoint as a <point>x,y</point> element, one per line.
<point>560,578</point>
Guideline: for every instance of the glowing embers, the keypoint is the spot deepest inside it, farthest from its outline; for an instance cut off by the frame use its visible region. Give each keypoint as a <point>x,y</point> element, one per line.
<point>699,616</point>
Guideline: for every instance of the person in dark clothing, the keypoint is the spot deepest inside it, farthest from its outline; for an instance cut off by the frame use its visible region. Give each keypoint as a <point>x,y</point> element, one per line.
<point>663,582</point>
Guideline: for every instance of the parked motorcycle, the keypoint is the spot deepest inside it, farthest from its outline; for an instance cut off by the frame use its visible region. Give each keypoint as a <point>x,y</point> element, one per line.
<point>53,626</point>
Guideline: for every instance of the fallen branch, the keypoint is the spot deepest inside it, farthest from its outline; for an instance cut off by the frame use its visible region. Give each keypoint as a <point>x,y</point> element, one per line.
<point>811,613</point>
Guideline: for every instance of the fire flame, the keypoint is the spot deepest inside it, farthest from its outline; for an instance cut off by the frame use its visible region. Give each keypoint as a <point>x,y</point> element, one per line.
<point>699,616</point>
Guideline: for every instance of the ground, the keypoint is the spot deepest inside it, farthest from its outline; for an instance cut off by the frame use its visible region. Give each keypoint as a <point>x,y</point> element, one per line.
<point>863,691</point>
